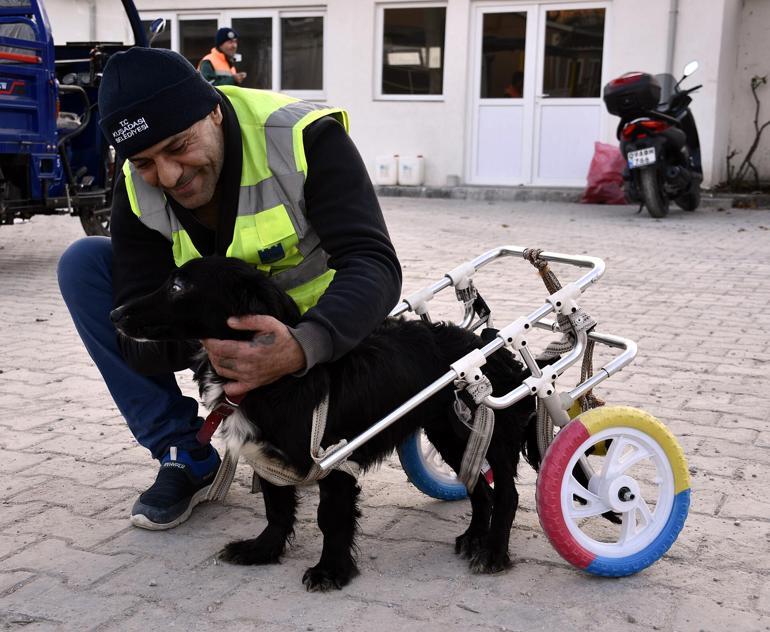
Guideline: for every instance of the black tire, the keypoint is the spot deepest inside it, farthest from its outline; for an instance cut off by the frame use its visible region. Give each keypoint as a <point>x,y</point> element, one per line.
<point>652,192</point>
<point>689,201</point>
<point>96,221</point>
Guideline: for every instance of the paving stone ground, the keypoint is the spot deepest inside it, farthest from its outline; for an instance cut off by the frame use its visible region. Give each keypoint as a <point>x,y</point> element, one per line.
<point>693,290</point>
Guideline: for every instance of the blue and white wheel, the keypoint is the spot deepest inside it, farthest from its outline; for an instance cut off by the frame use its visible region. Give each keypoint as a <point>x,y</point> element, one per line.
<point>427,471</point>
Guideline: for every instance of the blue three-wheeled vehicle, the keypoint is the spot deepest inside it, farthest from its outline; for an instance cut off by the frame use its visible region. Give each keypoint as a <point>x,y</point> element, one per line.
<point>53,157</point>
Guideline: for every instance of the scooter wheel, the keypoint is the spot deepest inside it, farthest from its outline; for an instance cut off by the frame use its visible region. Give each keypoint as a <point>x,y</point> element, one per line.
<point>636,469</point>
<point>426,469</point>
<point>655,198</point>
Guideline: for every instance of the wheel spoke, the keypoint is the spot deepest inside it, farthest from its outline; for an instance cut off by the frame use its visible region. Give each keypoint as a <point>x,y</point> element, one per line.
<point>628,528</point>
<point>644,509</point>
<point>619,460</point>
<point>430,453</point>
<point>616,450</point>
<point>587,469</point>
<point>432,458</point>
<point>594,505</point>
<point>640,453</point>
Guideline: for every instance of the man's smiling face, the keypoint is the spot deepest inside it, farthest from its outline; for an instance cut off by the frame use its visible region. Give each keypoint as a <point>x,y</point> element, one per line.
<point>186,166</point>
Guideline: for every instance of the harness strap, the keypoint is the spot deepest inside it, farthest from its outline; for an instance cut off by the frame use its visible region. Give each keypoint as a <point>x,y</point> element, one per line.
<point>278,472</point>
<point>481,429</point>
<point>572,326</point>
<point>271,467</point>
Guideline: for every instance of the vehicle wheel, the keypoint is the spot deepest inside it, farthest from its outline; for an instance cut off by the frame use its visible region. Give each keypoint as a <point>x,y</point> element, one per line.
<point>689,201</point>
<point>642,476</point>
<point>97,221</point>
<point>426,469</point>
<point>654,197</point>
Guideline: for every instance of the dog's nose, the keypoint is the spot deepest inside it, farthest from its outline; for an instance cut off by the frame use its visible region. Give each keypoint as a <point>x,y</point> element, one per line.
<point>116,314</point>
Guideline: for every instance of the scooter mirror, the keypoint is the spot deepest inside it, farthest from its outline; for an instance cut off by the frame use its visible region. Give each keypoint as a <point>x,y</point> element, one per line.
<point>156,28</point>
<point>690,68</point>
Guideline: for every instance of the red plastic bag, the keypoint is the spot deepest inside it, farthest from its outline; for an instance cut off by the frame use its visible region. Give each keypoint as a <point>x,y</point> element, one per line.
<point>605,176</point>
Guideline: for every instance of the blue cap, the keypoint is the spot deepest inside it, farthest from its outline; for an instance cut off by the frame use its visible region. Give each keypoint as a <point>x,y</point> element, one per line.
<point>225,34</point>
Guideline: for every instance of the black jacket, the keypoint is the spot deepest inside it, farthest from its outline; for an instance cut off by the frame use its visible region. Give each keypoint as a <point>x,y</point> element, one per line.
<point>342,208</point>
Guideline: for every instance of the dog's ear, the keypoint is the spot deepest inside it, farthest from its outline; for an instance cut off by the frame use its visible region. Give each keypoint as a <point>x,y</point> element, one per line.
<point>259,294</point>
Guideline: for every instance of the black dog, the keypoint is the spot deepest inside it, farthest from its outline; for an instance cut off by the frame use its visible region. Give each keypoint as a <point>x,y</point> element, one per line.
<point>387,368</point>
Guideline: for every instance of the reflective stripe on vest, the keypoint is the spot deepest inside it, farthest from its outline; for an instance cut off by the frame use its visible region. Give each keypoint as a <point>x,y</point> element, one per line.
<point>271,230</point>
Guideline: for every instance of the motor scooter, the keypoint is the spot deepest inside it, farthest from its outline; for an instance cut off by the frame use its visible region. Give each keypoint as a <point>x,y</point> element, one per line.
<point>658,138</point>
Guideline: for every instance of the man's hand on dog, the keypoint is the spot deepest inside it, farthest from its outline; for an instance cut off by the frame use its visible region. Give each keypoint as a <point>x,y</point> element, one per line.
<point>268,356</point>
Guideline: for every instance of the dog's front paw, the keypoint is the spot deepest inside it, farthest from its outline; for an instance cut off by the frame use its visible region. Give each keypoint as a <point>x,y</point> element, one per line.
<point>249,552</point>
<point>487,562</point>
<point>468,544</point>
<point>321,578</point>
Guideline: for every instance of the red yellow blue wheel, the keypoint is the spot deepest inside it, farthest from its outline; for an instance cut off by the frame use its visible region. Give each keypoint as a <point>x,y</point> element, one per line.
<point>635,468</point>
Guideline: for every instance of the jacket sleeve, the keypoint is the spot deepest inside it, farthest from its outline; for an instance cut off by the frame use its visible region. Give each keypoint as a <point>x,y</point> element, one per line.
<point>142,260</point>
<point>343,209</point>
<point>210,75</point>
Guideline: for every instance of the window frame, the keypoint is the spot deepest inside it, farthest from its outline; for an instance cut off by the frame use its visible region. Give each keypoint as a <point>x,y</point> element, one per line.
<point>308,95</point>
<point>226,16</point>
<point>378,94</point>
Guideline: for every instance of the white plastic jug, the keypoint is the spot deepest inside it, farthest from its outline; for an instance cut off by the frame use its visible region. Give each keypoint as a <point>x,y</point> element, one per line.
<point>411,170</point>
<point>386,170</point>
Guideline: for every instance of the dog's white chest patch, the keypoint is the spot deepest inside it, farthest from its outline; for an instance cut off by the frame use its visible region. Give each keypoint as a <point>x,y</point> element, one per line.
<point>236,429</point>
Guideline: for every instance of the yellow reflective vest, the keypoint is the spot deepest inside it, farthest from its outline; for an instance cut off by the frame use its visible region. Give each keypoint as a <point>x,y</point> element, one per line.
<point>271,229</point>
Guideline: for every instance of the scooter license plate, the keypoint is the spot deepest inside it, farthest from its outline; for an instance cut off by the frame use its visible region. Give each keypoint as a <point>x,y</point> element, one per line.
<point>641,157</point>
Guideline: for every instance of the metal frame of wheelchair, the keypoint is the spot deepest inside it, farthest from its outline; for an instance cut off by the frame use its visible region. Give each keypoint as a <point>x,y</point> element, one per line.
<point>634,471</point>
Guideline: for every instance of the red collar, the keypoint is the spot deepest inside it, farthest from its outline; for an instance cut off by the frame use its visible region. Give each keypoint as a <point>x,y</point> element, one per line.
<point>226,408</point>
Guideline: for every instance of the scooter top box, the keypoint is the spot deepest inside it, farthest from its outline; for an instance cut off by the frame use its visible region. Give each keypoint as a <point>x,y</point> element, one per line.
<point>632,93</point>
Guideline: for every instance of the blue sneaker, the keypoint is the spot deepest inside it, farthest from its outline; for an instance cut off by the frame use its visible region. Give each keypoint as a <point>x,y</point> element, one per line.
<point>182,482</point>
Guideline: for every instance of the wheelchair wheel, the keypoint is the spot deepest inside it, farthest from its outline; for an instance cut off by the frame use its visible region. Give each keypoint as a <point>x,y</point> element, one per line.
<point>634,468</point>
<point>426,469</point>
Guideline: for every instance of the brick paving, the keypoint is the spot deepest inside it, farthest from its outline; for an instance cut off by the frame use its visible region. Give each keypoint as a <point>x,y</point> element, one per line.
<point>693,290</point>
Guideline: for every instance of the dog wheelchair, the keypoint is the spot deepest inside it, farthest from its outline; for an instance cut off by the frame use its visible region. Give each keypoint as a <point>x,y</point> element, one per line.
<point>613,489</point>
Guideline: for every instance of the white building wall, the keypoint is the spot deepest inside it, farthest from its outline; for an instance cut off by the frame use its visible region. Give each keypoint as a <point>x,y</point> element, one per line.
<point>721,34</point>
<point>753,59</point>
<point>434,129</point>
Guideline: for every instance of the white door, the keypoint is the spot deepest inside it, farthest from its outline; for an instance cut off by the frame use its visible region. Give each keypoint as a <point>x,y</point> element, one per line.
<point>536,105</point>
<point>503,103</point>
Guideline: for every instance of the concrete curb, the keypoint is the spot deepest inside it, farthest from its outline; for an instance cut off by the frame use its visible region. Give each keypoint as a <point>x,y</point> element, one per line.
<point>709,199</point>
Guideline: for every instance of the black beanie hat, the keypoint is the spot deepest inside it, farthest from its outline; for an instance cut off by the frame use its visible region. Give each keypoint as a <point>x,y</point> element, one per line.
<point>223,35</point>
<point>148,94</point>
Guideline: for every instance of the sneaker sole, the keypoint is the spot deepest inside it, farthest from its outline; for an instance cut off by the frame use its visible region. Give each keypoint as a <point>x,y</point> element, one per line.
<point>143,522</point>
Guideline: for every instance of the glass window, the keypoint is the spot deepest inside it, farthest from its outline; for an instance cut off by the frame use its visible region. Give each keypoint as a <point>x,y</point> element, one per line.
<point>502,58</point>
<point>299,46</point>
<point>255,45</point>
<point>19,31</point>
<point>163,40</point>
<point>413,50</point>
<point>574,42</point>
<point>196,38</point>
<point>302,50</point>
<point>86,21</point>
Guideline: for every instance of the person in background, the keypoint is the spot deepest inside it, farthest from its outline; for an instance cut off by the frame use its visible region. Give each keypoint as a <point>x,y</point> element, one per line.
<point>515,89</point>
<point>218,67</point>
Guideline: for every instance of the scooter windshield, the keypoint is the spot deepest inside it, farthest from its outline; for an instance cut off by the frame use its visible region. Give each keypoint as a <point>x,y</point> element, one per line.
<point>667,88</point>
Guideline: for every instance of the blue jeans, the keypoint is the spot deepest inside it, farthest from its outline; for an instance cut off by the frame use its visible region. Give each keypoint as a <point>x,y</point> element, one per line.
<point>158,415</point>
